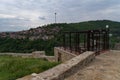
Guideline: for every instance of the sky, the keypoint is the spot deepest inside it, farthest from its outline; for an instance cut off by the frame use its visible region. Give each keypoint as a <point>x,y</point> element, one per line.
<point>16,15</point>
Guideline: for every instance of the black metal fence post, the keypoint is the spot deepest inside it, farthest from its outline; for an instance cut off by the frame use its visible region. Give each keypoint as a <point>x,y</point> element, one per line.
<point>70,42</point>
<point>64,41</point>
<point>88,41</point>
<point>108,30</point>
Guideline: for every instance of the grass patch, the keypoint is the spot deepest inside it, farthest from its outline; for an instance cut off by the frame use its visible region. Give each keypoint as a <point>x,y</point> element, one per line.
<point>12,68</point>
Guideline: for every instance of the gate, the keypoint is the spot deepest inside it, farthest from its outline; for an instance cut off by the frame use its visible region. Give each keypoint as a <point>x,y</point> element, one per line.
<point>91,40</point>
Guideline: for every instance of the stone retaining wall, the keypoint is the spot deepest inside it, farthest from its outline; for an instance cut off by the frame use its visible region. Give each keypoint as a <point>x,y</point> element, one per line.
<point>117,46</point>
<point>63,70</point>
<point>32,55</point>
<point>18,54</point>
<point>62,55</point>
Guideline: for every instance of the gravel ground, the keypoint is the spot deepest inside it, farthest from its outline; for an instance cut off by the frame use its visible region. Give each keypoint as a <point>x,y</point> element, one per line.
<point>105,67</point>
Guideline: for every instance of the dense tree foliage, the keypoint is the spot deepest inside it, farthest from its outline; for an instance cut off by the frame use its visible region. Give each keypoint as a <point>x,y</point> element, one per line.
<point>26,45</point>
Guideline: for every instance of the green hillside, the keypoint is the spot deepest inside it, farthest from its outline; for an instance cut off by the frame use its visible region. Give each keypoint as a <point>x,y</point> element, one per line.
<point>26,45</point>
<point>88,25</point>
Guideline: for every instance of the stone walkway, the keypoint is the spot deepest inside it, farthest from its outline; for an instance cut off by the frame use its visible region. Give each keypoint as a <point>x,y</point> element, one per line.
<point>105,67</point>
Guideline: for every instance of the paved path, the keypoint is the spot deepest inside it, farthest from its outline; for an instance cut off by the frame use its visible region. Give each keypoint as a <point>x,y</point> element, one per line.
<point>105,67</point>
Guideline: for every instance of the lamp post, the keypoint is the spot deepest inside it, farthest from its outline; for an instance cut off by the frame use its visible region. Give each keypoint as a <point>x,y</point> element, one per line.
<point>107,26</point>
<point>108,39</point>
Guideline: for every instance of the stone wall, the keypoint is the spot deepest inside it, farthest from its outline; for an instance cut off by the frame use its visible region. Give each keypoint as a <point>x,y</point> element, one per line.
<point>59,55</point>
<point>117,46</point>
<point>24,55</point>
<point>62,55</point>
<point>36,54</point>
<point>63,70</point>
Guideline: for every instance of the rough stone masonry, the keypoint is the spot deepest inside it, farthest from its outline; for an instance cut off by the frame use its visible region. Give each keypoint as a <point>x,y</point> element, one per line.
<point>63,70</point>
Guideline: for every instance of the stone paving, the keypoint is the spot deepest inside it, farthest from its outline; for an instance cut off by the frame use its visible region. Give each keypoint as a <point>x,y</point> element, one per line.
<point>105,67</point>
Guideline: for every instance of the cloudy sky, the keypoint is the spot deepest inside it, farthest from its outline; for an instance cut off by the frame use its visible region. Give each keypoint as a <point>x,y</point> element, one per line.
<point>18,15</point>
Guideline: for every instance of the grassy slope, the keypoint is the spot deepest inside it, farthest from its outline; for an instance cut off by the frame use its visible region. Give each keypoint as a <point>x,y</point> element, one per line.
<point>15,67</point>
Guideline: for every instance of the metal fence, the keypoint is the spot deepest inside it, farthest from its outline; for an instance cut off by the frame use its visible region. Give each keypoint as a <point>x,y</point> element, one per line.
<point>91,40</point>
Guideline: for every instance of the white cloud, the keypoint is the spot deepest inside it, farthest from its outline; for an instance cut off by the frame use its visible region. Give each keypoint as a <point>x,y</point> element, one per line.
<point>6,16</point>
<point>32,13</point>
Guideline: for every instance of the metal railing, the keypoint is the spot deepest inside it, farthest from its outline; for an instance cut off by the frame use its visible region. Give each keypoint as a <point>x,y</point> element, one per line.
<point>81,41</point>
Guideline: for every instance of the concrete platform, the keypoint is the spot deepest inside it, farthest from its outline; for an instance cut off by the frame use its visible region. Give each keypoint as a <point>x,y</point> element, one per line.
<point>105,67</point>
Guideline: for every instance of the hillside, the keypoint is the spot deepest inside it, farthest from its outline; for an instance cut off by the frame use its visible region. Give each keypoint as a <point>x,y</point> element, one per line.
<point>48,31</point>
<point>43,32</point>
<point>48,36</point>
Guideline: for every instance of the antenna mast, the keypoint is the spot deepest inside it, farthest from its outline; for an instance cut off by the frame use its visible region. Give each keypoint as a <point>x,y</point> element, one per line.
<point>55,17</point>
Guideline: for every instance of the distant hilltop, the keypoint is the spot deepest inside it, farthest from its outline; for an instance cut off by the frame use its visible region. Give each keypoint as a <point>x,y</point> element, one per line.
<point>33,33</point>
<point>49,31</point>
